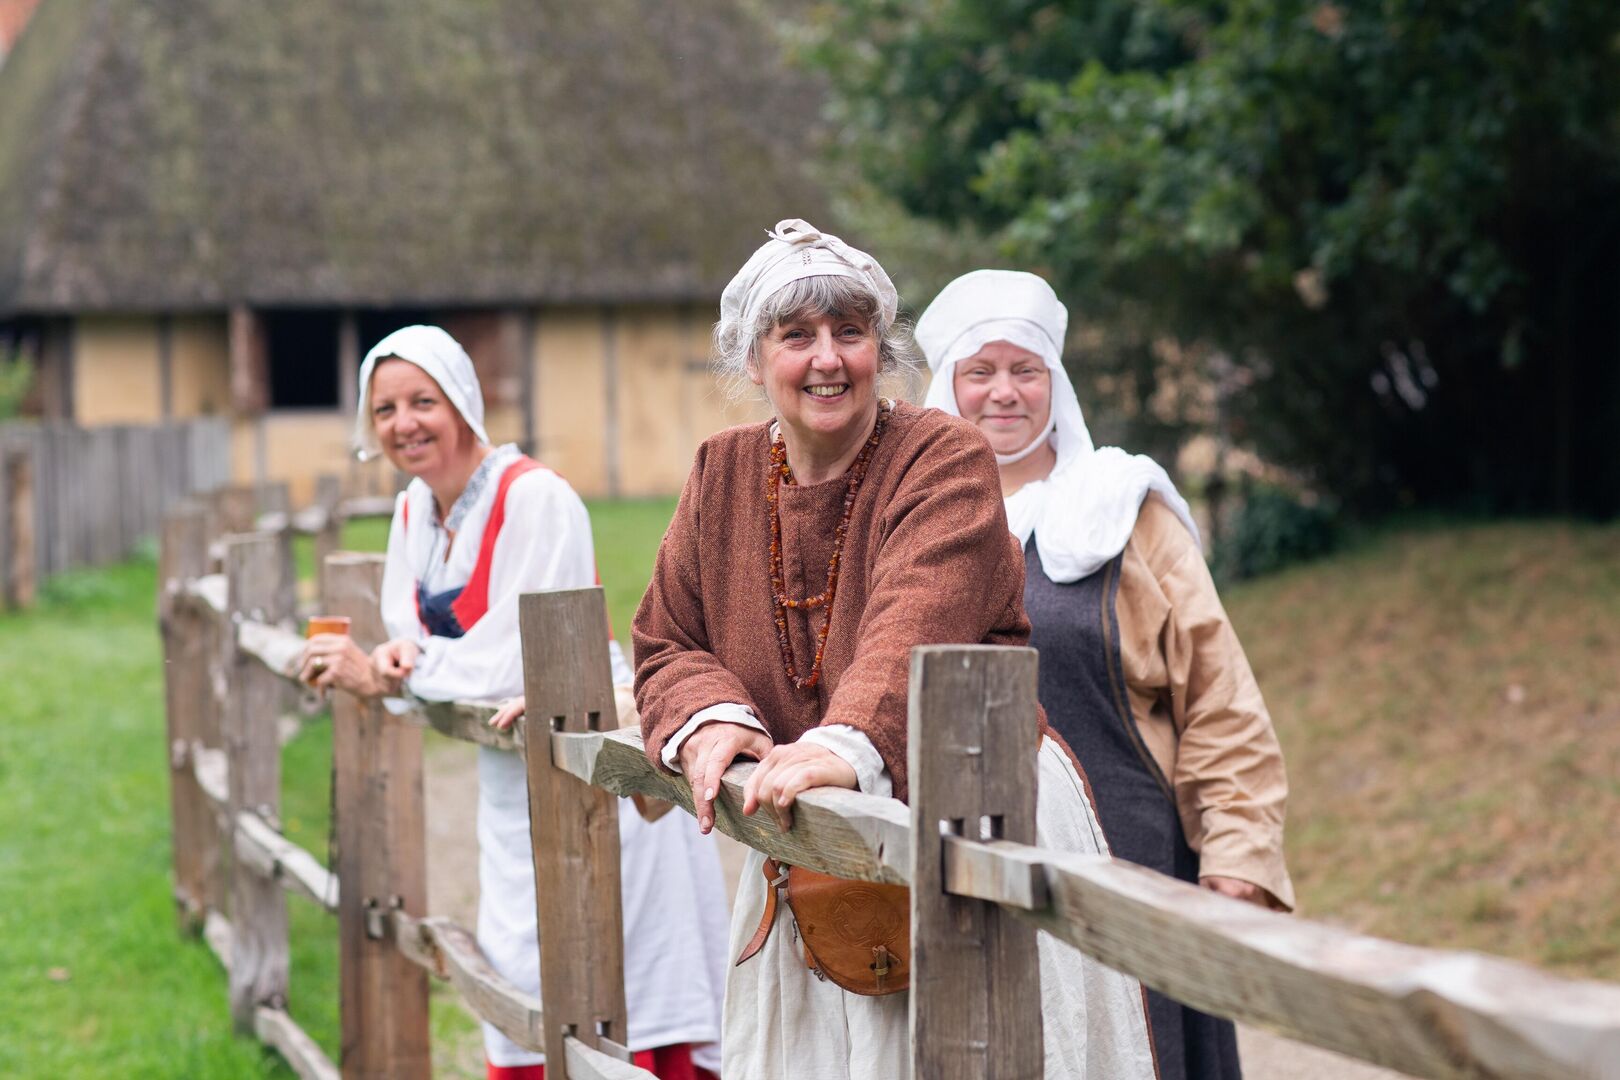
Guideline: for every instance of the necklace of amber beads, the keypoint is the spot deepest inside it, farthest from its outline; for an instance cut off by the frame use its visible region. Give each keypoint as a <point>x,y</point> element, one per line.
<point>780,472</point>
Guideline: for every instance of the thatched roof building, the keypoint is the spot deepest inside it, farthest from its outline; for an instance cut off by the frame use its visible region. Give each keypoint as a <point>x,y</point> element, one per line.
<point>252,178</point>
<point>172,155</point>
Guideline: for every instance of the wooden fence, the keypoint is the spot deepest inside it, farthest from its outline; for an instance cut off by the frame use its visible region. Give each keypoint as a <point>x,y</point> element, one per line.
<point>980,890</point>
<point>85,496</point>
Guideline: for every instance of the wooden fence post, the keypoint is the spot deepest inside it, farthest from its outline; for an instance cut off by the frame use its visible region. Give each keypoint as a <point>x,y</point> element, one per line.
<point>18,561</point>
<point>253,757</point>
<point>188,693</point>
<point>975,985</point>
<point>277,498</point>
<point>238,508</point>
<point>328,496</point>
<point>381,856</point>
<point>568,682</point>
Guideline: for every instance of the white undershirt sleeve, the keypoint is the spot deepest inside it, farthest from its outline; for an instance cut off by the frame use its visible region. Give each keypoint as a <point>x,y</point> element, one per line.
<point>852,744</point>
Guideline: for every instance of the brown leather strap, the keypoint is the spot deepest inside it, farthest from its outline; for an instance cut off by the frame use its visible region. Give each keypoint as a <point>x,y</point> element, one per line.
<point>775,877</point>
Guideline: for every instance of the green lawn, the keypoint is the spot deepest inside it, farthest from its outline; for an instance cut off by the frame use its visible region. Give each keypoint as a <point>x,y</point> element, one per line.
<point>1448,700</point>
<point>94,979</point>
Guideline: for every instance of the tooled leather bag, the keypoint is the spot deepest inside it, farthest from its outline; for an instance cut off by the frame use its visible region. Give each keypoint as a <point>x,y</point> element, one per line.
<point>856,933</point>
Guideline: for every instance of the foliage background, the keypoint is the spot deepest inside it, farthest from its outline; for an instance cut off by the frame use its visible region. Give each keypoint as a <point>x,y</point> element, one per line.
<point>1374,243</point>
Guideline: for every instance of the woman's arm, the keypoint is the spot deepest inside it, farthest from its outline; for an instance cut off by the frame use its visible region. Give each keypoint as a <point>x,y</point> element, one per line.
<point>677,677</point>
<point>544,544</point>
<point>1229,780</point>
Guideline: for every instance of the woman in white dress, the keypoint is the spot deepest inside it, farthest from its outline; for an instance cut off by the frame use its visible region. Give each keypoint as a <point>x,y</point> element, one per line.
<point>478,526</point>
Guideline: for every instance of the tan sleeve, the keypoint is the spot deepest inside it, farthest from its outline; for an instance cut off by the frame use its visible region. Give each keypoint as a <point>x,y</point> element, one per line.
<point>1230,784</point>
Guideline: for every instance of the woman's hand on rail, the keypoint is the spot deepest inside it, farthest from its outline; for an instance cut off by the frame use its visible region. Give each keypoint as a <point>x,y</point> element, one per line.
<point>1238,889</point>
<point>788,771</point>
<point>706,755</point>
<point>510,712</point>
<point>395,660</point>
<point>335,661</point>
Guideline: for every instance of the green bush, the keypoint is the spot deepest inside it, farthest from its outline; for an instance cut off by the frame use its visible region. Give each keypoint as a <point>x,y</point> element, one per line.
<point>16,380</point>
<point>1273,529</point>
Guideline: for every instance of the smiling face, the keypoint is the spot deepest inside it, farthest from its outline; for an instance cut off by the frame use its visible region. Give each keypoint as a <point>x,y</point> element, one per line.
<point>420,431</point>
<point>820,373</point>
<point>1007,392</point>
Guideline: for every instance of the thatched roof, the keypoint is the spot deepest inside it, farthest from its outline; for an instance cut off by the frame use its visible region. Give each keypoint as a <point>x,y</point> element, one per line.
<point>188,154</point>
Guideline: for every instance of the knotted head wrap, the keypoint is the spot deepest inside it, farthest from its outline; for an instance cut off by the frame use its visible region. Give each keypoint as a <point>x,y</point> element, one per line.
<point>1082,513</point>
<point>445,362</point>
<point>797,249</point>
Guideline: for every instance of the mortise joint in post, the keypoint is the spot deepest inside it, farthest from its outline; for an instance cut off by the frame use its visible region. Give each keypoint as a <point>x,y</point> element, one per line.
<point>376,920</point>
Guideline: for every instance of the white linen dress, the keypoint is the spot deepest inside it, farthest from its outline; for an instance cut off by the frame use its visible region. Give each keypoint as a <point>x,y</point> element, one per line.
<point>673,892</point>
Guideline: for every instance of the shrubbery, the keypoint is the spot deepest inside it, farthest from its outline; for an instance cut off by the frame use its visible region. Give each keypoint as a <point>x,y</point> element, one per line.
<point>1273,529</point>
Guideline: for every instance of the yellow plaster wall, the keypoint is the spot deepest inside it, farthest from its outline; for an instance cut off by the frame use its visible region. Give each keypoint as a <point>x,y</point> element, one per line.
<point>706,401</point>
<point>299,446</point>
<point>654,431</point>
<point>570,398</point>
<point>200,366</point>
<point>115,370</point>
<point>668,401</point>
<point>664,402</point>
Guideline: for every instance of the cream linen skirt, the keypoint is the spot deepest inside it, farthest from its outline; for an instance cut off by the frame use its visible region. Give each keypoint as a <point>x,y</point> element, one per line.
<point>783,1022</point>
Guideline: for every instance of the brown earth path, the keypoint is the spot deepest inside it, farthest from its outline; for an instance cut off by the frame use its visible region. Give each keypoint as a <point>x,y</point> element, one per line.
<point>452,858</point>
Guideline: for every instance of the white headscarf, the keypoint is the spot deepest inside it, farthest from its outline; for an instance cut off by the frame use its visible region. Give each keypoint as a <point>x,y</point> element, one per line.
<point>446,363</point>
<point>1082,513</point>
<point>797,250</point>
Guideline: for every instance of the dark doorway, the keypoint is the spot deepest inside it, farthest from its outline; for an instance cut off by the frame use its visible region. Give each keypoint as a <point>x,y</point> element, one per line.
<point>303,353</point>
<point>378,323</point>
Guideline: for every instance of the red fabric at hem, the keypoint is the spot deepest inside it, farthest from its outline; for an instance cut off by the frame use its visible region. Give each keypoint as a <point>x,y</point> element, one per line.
<point>664,1062</point>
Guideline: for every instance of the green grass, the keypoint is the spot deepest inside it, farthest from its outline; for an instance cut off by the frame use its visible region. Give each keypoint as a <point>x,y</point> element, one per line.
<point>1448,700</point>
<point>94,978</point>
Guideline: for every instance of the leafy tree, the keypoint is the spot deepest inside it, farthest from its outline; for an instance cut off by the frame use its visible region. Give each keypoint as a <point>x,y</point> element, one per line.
<point>1395,225</point>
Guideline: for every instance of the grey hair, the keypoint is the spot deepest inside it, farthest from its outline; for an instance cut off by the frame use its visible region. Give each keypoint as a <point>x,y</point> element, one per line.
<point>735,342</point>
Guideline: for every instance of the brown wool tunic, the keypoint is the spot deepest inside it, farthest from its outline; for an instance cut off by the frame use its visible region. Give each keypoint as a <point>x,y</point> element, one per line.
<point>928,560</point>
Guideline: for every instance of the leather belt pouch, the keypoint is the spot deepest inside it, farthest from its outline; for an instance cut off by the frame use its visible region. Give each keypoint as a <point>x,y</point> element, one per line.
<point>855,933</point>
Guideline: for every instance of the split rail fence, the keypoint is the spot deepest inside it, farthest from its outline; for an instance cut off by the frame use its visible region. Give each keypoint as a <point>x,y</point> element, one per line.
<point>75,496</point>
<point>980,889</point>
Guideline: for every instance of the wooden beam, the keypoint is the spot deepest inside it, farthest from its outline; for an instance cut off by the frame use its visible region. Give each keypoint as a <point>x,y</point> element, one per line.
<point>835,831</point>
<point>249,362</point>
<point>278,650</point>
<point>253,759</point>
<point>271,1026</point>
<point>568,684</point>
<point>587,1063</point>
<point>381,863</point>
<point>19,573</point>
<point>327,528</point>
<point>278,1030</point>
<point>1425,1012</point>
<point>348,362</point>
<point>262,848</point>
<point>447,951</point>
<point>975,985</point>
<point>187,692</point>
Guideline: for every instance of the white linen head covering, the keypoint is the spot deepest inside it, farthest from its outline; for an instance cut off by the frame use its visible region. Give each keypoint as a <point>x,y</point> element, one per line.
<point>797,249</point>
<point>1082,513</point>
<point>446,363</point>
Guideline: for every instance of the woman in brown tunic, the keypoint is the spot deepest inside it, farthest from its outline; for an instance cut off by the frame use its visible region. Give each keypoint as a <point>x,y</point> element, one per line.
<point>1140,669</point>
<point>807,557</point>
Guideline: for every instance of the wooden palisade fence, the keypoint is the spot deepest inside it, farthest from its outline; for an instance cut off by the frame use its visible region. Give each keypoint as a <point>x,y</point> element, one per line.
<point>980,889</point>
<point>75,496</point>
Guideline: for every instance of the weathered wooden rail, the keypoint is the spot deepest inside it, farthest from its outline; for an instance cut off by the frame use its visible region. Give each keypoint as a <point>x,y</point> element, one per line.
<point>981,889</point>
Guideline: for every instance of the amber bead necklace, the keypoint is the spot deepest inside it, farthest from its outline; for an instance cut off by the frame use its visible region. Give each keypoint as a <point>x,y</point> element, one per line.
<point>779,472</point>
